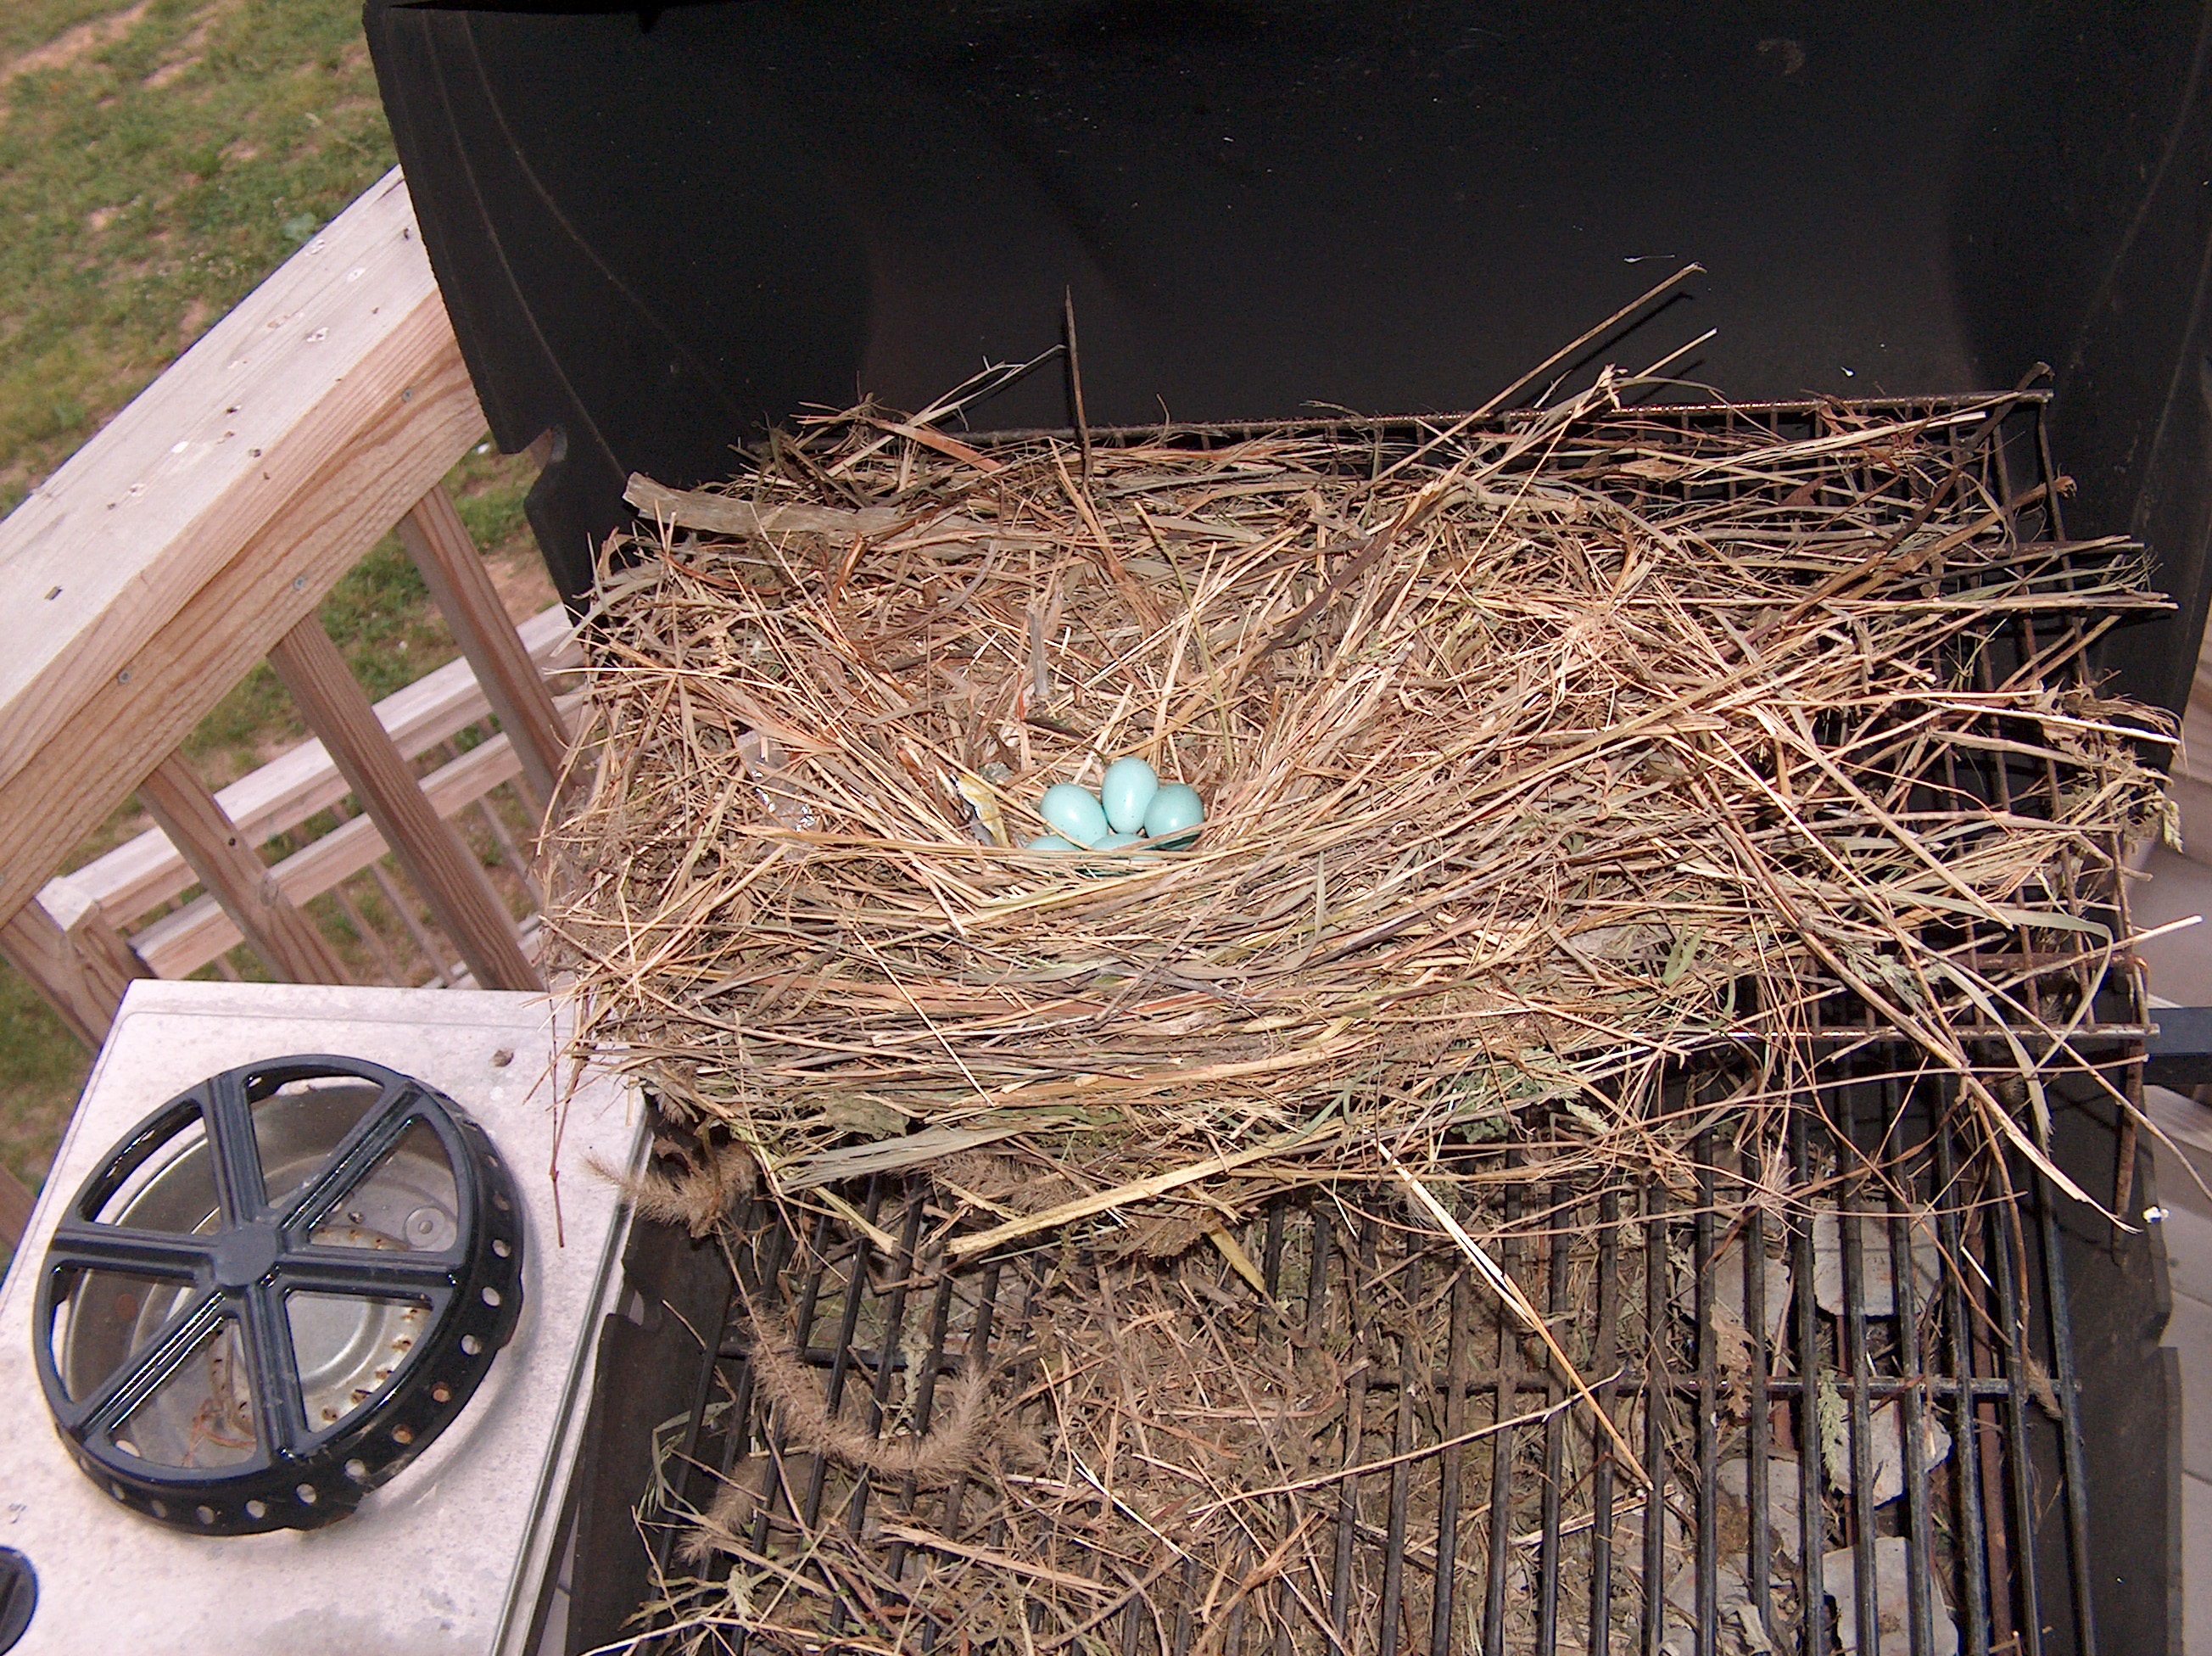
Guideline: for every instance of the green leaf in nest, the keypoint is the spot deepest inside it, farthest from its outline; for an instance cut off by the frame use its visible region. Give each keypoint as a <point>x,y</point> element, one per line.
<point>1592,1123</point>
<point>1478,1125</point>
<point>1684,952</point>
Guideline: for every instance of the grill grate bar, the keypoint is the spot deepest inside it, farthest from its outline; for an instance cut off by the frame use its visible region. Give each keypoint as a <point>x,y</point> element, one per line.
<point>1810,1539</point>
<point>1456,1384</point>
<point>1905,1286</point>
<point>1401,1475</point>
<point>1555,1444</point>
<point>1501,1447</point>
<point>1656,1510</point>
<point>1759,1424</point>
<point>2010,1279</point>
<point>1609,1335</point>
<point>1708,1589</point>
<point>1863,1578</point>
<point>2074,1482</point>
<point>841,1363</point>
<point>879,1394</point>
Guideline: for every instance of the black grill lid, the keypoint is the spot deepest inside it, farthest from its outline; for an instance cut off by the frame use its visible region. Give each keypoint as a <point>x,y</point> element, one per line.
<point>275,1292</point>
<point>660,229</point>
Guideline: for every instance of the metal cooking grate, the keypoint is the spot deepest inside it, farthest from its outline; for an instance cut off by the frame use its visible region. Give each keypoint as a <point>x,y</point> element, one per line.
<point>1861,1424</point>
<point>1993,1539</point>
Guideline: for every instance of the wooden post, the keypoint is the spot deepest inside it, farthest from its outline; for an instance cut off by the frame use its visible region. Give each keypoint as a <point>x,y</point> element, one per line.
<point>434,855</point>
<point>197,826</point>
<point>460,585</point>
<point>63,944</point>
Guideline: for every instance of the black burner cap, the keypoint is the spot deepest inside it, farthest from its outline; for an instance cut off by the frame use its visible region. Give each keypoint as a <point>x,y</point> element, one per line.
<point>19,1596</point>
<point>274,1293</point>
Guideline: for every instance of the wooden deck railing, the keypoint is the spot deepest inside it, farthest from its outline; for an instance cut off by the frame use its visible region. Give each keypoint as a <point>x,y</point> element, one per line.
<point>196,535</point>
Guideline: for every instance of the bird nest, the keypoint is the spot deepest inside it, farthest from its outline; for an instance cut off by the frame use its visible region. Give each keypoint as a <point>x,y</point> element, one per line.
<point>1545,758</point>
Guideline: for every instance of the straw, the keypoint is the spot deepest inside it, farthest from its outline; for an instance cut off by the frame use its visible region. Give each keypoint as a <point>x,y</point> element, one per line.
<point>1509,1291</point>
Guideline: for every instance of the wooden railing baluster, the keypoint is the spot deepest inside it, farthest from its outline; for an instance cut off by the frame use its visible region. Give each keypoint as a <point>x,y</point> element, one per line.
<point>15,1212</point>
<point>287,794</point>
<point>435,855</point>
<point>148,574</point>
<point>198,533</point>
<point>461,586</point>
<point>64,945</point>
<point>196,824</point>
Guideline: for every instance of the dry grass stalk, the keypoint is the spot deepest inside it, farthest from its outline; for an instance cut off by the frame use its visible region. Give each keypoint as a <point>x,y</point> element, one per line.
<point>1509,1291</point>
<point>949,1449</point>
<point>1170,1444</point>
<point>699,1196</point>
<point>1582,785</point>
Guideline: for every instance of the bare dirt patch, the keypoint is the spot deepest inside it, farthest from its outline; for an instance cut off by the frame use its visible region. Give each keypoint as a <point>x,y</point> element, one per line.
<point>71,45</point>
<point>190,50</point>
<point>524,587</point>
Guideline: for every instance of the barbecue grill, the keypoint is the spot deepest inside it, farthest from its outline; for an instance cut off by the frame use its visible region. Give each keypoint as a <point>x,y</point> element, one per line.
<point>660,232</point>
<point>1943,1550</point>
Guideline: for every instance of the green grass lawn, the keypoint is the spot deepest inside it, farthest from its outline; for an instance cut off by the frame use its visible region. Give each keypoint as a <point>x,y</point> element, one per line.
<point>156,162</point>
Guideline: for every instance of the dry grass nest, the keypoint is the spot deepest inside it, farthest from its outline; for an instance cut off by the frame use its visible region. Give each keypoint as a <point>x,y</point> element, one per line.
<point>1544,758</point>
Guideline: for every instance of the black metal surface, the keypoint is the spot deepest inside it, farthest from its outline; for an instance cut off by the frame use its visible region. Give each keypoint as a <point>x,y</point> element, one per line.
<point>648,1362</point>
<point>239,1271</point>
<point>2127,1382</point>
<point>659,229</point>
<point>19,1597</point>
<point>2042,1527</point>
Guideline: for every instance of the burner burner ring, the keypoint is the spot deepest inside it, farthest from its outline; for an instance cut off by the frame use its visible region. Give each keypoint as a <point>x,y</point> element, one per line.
<point>275,1292</point>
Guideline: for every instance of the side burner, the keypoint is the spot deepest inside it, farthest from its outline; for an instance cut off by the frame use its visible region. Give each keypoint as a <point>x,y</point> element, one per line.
<point>275,1292</point>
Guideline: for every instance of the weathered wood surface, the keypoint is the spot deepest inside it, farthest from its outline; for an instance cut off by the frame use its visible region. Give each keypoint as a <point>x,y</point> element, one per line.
<point>436,858</point>
<point>461,586</point>
<point>285,938</point>
<point>146,871</point>
<point>2191,786</point>
<point>698,509</point>
<point>147,575</point>
<point>63,944</point>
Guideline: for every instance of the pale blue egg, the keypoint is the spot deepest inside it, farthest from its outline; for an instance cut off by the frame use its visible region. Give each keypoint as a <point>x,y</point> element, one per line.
<point>1049,842</point>
<point>1127,790</point>
<point>1175,810</point>
<point>1118,865</point>
<point>1075,812</point>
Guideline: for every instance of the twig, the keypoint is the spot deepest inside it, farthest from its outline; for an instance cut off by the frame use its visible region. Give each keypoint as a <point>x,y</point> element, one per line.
<point>1510,1291</point>
<point>1082,420</point>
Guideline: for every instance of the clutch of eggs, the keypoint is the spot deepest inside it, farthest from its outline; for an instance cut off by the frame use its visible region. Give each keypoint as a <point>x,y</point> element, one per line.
<point>1133,808</point>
